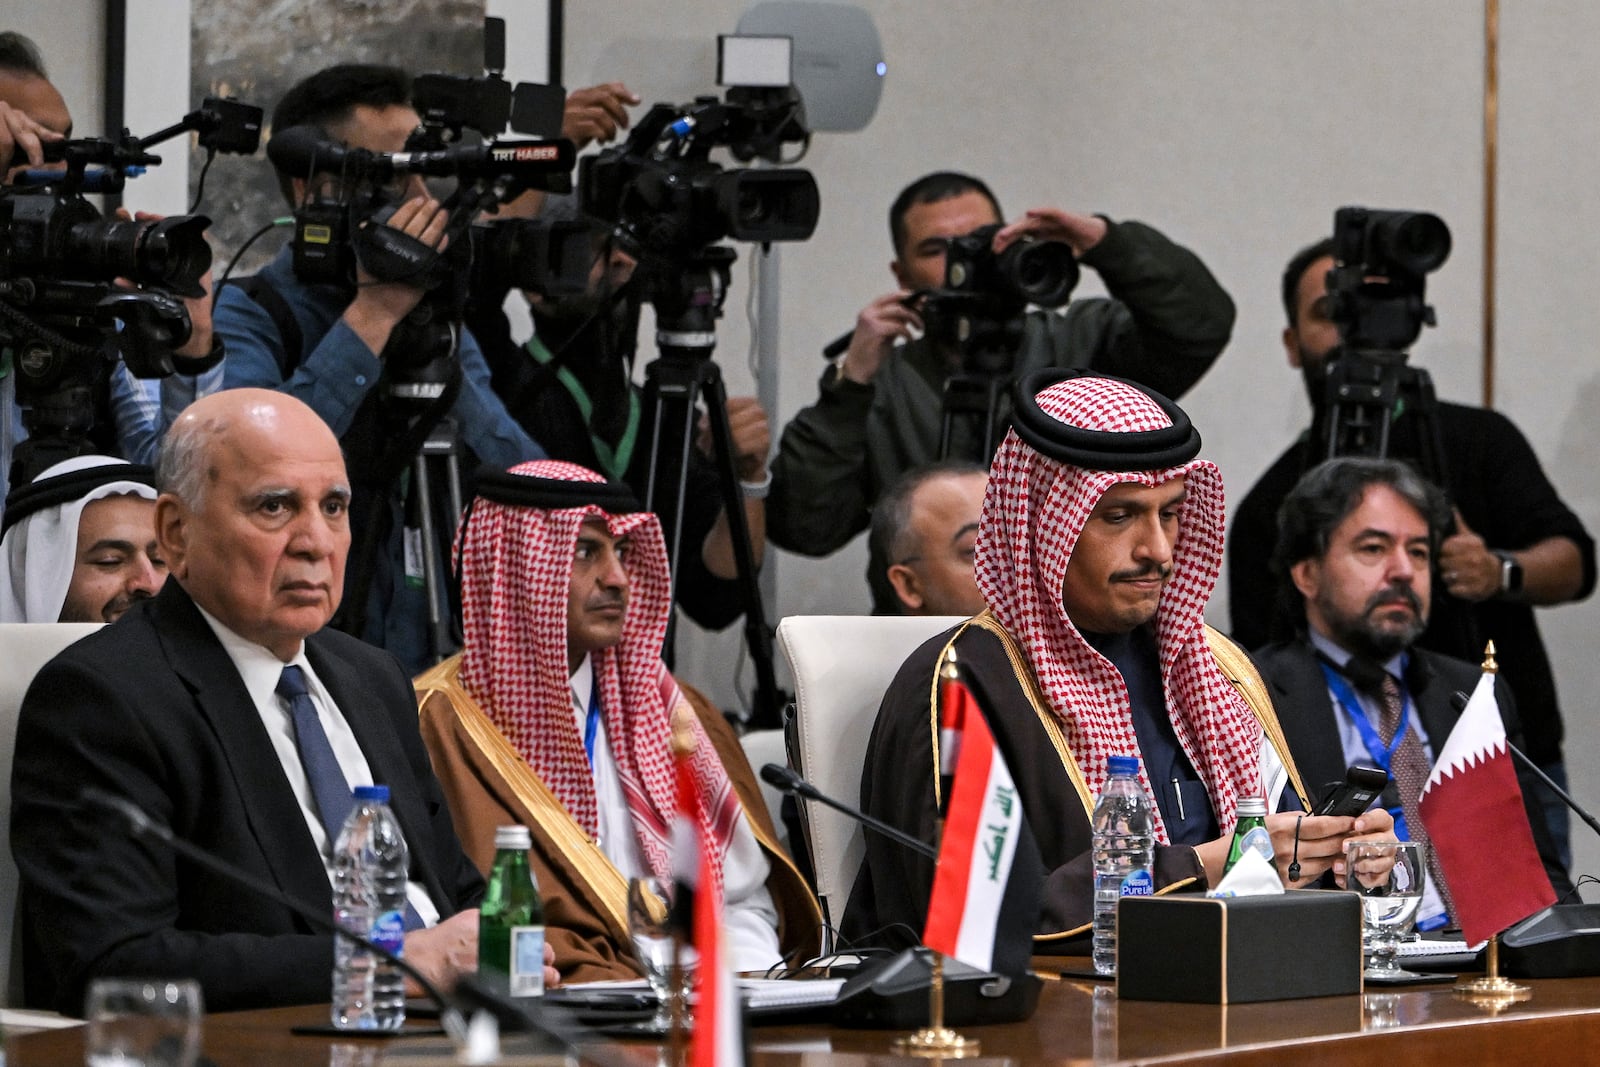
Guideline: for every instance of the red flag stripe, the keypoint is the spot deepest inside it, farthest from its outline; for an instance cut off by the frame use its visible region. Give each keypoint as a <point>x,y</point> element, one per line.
<point>948,900</point>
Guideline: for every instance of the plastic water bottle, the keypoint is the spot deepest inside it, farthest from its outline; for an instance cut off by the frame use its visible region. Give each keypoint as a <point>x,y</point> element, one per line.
<point>1124,840</point>
<point>370,862</point>
<point>511,920</point>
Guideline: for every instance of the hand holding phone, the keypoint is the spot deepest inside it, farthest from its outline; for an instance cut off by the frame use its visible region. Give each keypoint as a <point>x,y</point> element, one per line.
<point>1354,795</point>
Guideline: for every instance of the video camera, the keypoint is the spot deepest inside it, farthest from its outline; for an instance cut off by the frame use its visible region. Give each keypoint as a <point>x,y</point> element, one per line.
<point>667,200</point>
<point>1381,263</point>
<point>1376,298</point>
<point>78,290</point>
<point>980,309</point>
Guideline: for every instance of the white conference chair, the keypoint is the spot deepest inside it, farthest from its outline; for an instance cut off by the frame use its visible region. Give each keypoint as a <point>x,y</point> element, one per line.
<point>762,747</point>
<point>24,648</point>
<point>841,665</point>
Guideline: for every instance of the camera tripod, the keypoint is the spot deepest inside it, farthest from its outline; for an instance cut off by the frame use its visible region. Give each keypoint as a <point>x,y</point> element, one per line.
<point>688,300</point>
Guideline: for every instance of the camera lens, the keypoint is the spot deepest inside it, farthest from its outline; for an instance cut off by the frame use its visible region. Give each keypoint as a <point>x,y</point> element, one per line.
<point>1412,240</point>
<point>1044,272</point>
<point>172,252</point>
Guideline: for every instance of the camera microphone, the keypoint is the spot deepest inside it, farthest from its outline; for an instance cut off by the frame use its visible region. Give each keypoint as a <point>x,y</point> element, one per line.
<point>306,150</point>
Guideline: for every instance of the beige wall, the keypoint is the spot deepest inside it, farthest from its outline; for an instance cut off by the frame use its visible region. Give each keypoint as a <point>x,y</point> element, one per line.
<point>1237,126</point>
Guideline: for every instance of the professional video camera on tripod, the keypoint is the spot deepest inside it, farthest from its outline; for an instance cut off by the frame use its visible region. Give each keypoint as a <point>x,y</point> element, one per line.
<point>669,206</point>
<point>78,291</point>
<point>1376,299</point>
<point>350,193</point>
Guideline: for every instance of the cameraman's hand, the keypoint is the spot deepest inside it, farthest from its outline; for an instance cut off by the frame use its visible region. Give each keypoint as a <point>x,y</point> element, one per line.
<point>749,434</point>
<point>880,324</point>
<point>198,307</point>
<point>597,113</point>
<point>379,306</point>
<point>22,137</point>
<point>1082,232</point>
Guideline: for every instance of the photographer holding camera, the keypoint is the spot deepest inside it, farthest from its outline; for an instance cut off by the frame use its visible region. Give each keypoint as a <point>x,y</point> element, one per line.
<point>1515,544</point>
<point>126,415</point>
<point>879,413</point>
<point>329,344</point>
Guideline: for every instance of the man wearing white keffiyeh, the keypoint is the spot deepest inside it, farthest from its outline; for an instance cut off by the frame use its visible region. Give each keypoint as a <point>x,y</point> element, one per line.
<point>79,543</point>
<point>1099,545</point>
<point>558,715</point>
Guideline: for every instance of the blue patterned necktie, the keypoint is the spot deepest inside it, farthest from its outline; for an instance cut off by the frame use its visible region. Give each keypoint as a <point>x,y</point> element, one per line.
<point>328,785</point>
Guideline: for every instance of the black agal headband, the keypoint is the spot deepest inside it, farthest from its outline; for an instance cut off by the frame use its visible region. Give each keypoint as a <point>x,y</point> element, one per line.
<point>1100,450</point>
<point>35,496</point>
<point>555,494</point>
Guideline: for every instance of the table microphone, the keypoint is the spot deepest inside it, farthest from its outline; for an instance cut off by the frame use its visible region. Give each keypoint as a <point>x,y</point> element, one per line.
<point>510,1014</point>
<point>1460,700</point>
<point>892,993</point>
<point>780,777</point>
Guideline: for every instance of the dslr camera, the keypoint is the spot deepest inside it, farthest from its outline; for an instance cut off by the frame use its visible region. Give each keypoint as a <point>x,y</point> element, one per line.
<point>980,309</point>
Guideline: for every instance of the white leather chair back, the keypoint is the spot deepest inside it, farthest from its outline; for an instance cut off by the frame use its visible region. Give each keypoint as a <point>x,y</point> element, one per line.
<point>762,747</point>
<point>24,648</point>
<point>842,664</point>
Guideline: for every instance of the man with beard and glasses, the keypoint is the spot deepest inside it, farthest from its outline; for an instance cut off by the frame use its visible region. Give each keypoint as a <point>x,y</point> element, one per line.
<point>1515,544</point>
<point>80,543</point>
<point>557,716</point>
<point>1356,547</point>
<point>1098,546</point>
<point>572,384</point>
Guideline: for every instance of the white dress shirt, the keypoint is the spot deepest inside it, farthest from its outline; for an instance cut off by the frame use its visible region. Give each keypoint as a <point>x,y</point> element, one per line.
<point>748,913</point>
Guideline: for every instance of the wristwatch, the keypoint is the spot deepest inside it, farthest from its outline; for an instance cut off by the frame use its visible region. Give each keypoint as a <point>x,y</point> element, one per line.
<point>1510,572</point>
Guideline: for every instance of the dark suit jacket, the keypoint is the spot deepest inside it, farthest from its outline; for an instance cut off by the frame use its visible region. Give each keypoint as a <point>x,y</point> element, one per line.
<point>152,709</point>
<point>1300,695</point>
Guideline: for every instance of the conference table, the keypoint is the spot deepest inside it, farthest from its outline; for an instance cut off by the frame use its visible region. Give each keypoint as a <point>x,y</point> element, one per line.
<point>1079,1021</point>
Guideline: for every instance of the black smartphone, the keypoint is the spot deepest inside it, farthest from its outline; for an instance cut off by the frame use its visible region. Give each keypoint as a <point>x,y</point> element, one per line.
<point>1353,795</point>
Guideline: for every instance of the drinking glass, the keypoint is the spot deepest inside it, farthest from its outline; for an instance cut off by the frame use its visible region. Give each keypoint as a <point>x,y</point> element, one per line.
<point>1388,875</point>
<point>649,904</point>
<point>143,1022</point>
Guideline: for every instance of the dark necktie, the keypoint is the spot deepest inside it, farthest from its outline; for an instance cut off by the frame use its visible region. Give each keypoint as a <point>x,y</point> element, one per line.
<point>328,785</point>
<point>1409,768</point>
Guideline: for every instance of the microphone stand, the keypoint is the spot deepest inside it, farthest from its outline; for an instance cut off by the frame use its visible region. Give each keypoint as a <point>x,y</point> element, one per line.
<point>781,777</point>
<point>508,1013</point>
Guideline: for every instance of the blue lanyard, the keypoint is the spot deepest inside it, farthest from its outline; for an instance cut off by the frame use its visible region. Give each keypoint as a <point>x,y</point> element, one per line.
<point>1381,754</point>
<point>591,723</point>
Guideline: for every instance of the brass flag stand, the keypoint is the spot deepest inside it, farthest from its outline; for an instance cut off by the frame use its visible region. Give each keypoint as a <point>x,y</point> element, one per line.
<point>937,1040</point>
<point>1492,990</point>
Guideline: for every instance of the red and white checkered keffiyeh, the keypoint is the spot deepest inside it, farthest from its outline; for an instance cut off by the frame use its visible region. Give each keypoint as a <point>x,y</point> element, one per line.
<point>1033,513</point>
<point>516,571</point>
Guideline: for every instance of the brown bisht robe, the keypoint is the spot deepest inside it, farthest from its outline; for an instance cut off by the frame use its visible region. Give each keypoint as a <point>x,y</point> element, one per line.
<point>899,780</point>
<point>487,785</point>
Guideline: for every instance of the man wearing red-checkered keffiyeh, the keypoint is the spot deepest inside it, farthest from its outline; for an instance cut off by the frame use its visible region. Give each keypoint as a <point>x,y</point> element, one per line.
<point>558,715</point>
<point>1100,542</point>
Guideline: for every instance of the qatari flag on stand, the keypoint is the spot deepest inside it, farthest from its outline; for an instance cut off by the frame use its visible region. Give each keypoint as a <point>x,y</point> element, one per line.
<point>1472,807</point>
<point>984,907</point>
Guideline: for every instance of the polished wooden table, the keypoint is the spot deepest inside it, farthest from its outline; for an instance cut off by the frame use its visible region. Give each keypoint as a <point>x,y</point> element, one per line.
<point>1078,1022</point>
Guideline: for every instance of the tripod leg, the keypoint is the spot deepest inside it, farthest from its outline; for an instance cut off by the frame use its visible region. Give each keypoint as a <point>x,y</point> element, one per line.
<point>768,706</point>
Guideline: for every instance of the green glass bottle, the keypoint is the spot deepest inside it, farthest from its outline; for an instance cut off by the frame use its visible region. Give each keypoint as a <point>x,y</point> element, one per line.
<point>1250,832</point>
<point>511,920</point>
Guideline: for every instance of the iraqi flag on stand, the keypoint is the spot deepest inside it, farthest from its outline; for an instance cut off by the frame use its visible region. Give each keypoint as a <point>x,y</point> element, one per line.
<point>1472,808</point>
<point>984,907</point>
<point>717,1039</point>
